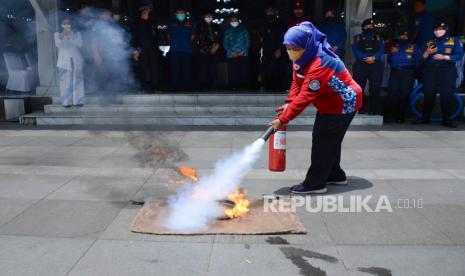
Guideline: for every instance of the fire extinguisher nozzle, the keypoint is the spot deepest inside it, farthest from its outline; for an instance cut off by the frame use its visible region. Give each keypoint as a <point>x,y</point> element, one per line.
<point>267,133</point>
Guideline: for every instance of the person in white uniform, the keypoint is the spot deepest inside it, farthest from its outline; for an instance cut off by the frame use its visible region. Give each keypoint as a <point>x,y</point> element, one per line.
<point>70,65</point>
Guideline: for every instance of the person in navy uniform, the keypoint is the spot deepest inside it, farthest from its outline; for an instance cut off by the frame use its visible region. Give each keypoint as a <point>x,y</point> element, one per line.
<point>274,55</point>
<point>424,22</point>
<point>298,8</point>
<point>144,41</point>
<point>181,35</point>
<point>335,29</point>
<point>439,73</point>
<point>404,58</point>
<point>368,49</point>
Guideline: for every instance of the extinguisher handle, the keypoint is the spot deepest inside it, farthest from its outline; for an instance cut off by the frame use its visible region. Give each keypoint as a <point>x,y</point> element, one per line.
<point>267,133</point>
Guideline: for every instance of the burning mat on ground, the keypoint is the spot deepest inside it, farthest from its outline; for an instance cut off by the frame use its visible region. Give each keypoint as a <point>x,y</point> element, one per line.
<point>215,204</point>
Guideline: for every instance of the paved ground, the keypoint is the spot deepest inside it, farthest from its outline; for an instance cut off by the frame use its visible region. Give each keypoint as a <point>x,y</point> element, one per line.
<point>64,206</point>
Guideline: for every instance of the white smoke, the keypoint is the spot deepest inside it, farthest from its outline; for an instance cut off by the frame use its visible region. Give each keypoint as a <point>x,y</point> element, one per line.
<point>196,205</point>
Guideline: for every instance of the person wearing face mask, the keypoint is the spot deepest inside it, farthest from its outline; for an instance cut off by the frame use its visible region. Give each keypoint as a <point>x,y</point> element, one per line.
<point>319,78</point>
<point>206,45</point>
<point>274,56</point>
<point>298,8</point>
<point>404,58</point>
<point>181,35</point>
<point>439,72</point>
<point>236,42</point>
<point>144,41</point>
<point>70,65</point>
<point>368,49</point>
<point>335,29</point>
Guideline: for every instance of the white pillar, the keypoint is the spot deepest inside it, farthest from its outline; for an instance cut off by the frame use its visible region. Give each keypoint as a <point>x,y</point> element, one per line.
<point>46,15</point>
<point>355,13</point>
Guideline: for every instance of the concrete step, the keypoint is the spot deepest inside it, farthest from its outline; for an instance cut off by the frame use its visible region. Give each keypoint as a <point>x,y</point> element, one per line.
<point>169,109</point>
<point>41,118</point>
<point>206,99</point>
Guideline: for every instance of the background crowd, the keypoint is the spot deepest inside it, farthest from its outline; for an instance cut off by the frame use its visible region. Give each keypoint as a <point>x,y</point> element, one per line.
<point>198,54</point>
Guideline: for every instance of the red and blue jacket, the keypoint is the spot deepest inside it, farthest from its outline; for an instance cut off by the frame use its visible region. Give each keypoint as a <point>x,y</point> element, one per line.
<point>326,83</point>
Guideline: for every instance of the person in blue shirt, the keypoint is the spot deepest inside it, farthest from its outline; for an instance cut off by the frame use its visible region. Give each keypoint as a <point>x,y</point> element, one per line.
<point>181,35</point>
<point>424,22</point>
<point>368,49</point>
<point>404,57</point>
<point>335,30</point>
<point>439,72</point>
<point>236,43</point>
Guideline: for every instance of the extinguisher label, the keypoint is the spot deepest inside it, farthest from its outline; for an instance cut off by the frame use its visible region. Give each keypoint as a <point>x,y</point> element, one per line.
<point>280,140</point>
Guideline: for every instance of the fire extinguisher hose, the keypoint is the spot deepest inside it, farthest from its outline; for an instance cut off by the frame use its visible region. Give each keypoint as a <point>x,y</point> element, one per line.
<point>267,133</point>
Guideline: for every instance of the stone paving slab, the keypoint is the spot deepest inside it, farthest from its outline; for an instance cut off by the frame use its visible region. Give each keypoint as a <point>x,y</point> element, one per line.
<point>99,189</point>
<point>40,256</point>
<point>63,218</point>
<point>403,260</point>
<point>433,192</point>
<point>11,207</point>
<point>111,257</point>
<point>30,186</point>
<point>449,219</point>
<point>279,259</point>
<point>400,227</point>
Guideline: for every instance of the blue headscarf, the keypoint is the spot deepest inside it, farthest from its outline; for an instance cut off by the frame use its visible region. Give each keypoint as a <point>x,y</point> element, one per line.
<point>307,36</point>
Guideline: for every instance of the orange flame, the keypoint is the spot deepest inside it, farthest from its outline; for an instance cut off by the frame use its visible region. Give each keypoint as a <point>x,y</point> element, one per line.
<point>241,207</point>
<point>189,172</point>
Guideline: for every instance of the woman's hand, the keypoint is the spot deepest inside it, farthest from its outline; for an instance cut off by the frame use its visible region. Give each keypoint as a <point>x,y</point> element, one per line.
<point>276,124</point>
<point>430,50</point>
<point>280,110</point>
<point>441,57</point>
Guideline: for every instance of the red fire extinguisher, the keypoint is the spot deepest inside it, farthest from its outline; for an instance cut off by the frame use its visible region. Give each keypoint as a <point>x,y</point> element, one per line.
<point>277,151</point>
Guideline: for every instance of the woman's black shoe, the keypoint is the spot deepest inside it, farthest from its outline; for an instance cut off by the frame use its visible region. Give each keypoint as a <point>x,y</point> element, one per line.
<point>449,124</point>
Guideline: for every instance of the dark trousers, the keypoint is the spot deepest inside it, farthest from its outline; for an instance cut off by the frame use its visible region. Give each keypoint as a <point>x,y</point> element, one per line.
<point>372,73</point>
<point>149,69</point>
<point>328,134</point>
<point>438,78</point>
<point>181,70</point>
<point>206,66</point>
<point>273,73</point>
<point>238,72</point>
<point>400,86</point>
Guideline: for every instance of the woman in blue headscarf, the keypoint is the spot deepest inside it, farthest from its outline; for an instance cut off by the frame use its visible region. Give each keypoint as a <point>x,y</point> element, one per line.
<point>319,78</point>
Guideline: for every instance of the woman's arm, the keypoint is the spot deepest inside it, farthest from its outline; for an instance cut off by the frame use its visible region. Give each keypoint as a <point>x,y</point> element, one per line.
<point>358,54</point>
<point>294,90</point>
<point>304,98</point>
<point>457,52</point>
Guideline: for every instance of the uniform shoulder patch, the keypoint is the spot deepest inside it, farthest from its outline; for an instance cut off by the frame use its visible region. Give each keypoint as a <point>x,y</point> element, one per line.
<point>450,41</point>
<point>314,85</point>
